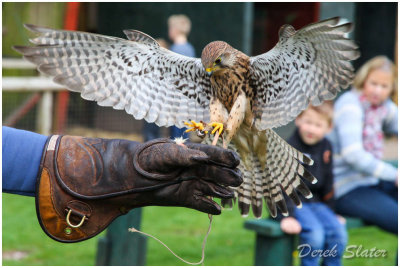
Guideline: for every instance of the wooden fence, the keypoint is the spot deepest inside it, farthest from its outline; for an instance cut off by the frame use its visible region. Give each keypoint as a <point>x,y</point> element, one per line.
<point>43,88</point>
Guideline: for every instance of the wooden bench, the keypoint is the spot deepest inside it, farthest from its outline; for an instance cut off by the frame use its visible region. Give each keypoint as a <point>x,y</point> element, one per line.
<point>274,247</point>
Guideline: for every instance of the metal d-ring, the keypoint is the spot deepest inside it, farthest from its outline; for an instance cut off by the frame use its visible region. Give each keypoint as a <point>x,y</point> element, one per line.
<point>70,224</point>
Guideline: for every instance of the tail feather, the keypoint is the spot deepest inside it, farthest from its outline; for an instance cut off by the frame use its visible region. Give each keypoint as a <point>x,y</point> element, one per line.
<point>284,171</point>
<point>295,198</point>
<point>281,204</point>
<point>277,194</point>
<point>256,194</point>
<point>267,192</point>
<point>304,173</point>
<point>244,193</point>
<point>269,173</point>
<point>303,189</point>
<point>289,177</point>
<point>269,197</point>
<point>290,149</point>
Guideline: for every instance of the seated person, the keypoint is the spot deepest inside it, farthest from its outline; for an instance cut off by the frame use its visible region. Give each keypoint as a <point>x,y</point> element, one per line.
<point>319,227</point>
<point>366,186</point>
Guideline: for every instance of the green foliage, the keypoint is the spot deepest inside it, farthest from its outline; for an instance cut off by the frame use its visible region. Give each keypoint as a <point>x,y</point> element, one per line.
<point>181,229</point>
<point>15,14</point>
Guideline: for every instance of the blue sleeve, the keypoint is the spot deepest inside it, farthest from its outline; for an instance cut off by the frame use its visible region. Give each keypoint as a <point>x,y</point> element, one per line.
<point>184,49</point>
<point>22,152</point>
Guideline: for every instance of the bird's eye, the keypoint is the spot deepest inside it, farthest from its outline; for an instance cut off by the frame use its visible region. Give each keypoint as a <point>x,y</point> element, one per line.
<point>218,61</point>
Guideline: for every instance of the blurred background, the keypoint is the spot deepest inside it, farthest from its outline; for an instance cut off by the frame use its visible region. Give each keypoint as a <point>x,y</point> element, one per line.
<point>32,102</point>
<point>250,27</point>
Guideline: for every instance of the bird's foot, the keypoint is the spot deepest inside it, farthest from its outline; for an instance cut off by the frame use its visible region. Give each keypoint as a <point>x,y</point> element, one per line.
<point>202,130</point>
<point>217,127</point>
<point>198,127</point>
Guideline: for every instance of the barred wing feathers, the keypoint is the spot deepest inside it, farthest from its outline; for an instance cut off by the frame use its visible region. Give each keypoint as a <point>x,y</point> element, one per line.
<point>310,65</point>
<point>135,75</point>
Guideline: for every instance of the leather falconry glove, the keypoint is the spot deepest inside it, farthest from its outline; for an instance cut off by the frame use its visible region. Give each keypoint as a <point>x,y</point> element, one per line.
<point>85,183</point>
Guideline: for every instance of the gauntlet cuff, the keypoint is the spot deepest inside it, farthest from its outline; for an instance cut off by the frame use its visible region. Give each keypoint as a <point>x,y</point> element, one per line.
<point>62,215</point>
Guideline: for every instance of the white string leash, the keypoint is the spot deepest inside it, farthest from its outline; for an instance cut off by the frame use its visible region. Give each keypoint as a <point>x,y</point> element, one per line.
<point>133,230</point>
<point>162,243</point>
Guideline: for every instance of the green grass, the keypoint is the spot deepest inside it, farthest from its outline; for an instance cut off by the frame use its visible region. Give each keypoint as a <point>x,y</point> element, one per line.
<point>181,229</point>
<point>22,232</point>
<point>370,237</point>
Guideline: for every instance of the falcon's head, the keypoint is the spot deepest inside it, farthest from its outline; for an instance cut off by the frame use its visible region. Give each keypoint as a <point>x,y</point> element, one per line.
<point>218,56</point>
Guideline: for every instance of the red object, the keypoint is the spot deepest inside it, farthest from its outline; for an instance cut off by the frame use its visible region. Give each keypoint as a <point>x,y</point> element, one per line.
<point>317,7</point>
<point>72,16</point>
<point>22,110</point>
<point>70,23</point>
<point>273,15</point>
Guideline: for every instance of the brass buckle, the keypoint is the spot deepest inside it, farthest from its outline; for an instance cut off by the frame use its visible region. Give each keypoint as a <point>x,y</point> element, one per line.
<point>72,225</point>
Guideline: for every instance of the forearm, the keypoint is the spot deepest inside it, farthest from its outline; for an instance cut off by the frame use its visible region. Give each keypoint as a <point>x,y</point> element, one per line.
<point>22,152</point>
<point>366,163</point>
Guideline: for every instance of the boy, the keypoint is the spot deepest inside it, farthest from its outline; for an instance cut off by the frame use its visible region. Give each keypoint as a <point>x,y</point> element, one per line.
<point>178,31</point>
<point>319,227</point>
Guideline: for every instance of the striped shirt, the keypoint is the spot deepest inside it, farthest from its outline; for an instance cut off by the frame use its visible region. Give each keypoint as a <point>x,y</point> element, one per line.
<point>353,165</point>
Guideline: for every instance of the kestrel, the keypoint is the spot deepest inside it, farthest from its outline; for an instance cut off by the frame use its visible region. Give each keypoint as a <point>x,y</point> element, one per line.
<point>241,97</point>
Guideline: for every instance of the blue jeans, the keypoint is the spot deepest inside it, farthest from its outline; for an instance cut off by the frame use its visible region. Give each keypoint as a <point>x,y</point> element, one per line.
<point>375,204</point>
<point>322,235</point>
<point>178,132</point>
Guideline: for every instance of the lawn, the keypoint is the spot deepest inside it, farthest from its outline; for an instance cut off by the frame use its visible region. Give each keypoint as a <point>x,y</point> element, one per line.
<point>181,229</point>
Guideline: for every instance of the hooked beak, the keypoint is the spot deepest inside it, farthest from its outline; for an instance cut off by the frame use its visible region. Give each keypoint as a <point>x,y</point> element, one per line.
<point>209,71</point>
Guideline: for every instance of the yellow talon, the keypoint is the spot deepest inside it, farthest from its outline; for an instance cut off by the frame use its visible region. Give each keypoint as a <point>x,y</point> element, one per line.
<point>217,127</point>
<point>193,126</point>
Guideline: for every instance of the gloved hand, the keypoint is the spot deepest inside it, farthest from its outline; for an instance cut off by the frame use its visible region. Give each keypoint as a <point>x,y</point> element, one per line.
<point>201,170</point>
<point>85,183</point>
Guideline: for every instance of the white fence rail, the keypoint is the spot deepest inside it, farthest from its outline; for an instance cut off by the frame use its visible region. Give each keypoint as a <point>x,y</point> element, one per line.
<point>9,63</point>
<point>30,84</point>
<point>33,84</point>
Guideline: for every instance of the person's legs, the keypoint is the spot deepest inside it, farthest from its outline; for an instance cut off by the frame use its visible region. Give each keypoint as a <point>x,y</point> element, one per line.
<point>371,204</point>
<point>335,234</point>
<point>311,236</point>
<point>389,188</point>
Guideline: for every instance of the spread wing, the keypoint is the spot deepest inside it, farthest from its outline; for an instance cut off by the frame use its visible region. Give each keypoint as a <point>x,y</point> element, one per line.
<point>136,75</point>
<point>306,66</point>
